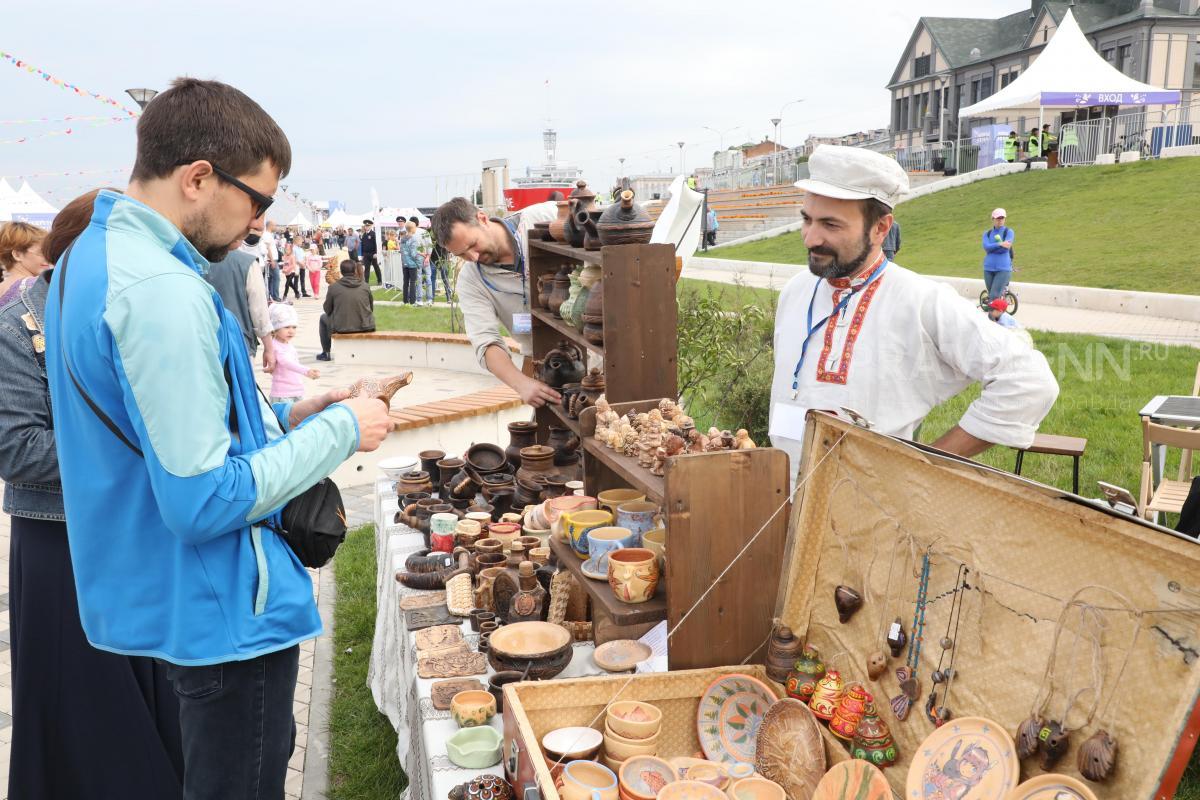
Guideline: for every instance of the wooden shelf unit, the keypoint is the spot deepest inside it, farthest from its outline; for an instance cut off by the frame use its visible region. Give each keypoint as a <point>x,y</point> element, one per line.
<point>714,504</point>
<point>601,594</point>
<point>639,355</point>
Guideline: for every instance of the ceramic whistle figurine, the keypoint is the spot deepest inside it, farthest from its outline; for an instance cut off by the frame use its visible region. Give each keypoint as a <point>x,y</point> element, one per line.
<point>876,665</point>
<point>803,677</point>
<point>873,740</point>
<point>383,389</point>
<point>896,638</point>
<point>1028,742</point>
<point>848,602</point>
<point>742,440</point>
<point>910,690</point>
<point>1055,742</point>
<point>1098,756</point>
<point>850,711</point>
<point>827,695</point>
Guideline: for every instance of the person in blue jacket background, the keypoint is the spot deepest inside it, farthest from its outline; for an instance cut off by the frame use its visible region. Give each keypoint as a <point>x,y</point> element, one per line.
<point>997,259</point>
<point>171,461</point>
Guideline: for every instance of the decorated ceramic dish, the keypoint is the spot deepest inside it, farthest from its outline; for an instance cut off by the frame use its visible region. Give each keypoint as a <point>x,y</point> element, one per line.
<point>971,756</point>
<point>621,655</point>
<point>731,710</point>
<point>855,780</point>
<point>644,777</point>
<point>790,749</point>
<point>1052,787</point>
<point>592,569</point>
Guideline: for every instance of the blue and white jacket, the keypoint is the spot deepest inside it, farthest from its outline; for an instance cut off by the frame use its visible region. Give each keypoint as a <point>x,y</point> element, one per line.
<point>170,560</point>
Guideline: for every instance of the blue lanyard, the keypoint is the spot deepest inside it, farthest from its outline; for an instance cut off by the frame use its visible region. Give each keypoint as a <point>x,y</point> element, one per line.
<point>845,301</point>
<point>520,265</point>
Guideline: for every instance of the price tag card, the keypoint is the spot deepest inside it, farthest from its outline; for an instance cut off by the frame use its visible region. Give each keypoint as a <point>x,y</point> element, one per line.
<point>522,323</point>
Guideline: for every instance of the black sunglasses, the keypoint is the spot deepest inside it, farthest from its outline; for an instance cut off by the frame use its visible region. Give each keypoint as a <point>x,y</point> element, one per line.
<point>260,200</point>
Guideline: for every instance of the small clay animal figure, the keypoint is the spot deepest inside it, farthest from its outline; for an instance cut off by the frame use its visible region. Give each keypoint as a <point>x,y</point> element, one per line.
<point>742,440</point>
<point>876,665</point>
<point>381,389</point>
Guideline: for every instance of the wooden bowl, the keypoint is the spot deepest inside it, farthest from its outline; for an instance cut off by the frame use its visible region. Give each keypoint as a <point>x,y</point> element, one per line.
<point>541,647</point>
<point>634,720</point>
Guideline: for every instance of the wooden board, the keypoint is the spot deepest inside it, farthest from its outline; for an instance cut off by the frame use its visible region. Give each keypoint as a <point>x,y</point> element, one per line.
<point>623,614</point>
<point>561,250</point>
<point>640,322</point>
<point>717,503</point>
<point>608,469</point>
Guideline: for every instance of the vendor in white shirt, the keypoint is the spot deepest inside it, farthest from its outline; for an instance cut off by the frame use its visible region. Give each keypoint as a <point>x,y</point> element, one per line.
<point>863,333</point>
<point>493,285</point>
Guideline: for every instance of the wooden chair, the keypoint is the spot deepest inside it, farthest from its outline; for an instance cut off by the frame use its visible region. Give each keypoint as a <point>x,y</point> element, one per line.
<point>1185,459</point>
<point>1051,444</point>
<point>1169,495</point>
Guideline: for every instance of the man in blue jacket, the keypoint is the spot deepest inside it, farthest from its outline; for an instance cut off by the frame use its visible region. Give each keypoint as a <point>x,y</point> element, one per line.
<point>997,258</point>
<point>172,463</point>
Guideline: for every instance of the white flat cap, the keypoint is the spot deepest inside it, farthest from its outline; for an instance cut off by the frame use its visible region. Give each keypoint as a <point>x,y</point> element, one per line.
<point>852,173</point>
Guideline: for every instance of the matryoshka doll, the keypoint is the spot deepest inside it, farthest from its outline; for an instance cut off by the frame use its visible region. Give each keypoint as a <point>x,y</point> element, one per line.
<point>850,711</point>
<point>802,679</point>
<point>827,695</point>
<point>873,740</point>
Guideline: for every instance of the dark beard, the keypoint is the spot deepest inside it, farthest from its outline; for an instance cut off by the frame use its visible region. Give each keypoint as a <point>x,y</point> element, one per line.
<point>839,269</point>
<point>199,233</point>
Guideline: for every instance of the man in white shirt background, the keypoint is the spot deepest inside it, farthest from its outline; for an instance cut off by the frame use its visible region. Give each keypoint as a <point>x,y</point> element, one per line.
<point>863,333</point>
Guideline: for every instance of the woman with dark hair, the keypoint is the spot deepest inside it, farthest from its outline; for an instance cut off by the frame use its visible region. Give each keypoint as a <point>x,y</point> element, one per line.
<point>86,723</point>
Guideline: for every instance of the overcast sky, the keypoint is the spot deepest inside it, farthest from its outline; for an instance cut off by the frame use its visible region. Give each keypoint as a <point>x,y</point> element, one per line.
<point>411,97</point>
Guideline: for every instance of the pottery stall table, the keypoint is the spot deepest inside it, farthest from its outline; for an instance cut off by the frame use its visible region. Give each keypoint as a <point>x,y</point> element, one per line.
<point>913,530</point>
<point>421,730</point>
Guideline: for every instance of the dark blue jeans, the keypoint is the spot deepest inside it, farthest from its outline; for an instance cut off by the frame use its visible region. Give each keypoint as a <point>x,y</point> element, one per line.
<point>237,726</point>
<point>996,282</point>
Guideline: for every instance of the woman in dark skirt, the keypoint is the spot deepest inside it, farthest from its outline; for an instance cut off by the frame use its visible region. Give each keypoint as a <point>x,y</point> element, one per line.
<point>86,723</point>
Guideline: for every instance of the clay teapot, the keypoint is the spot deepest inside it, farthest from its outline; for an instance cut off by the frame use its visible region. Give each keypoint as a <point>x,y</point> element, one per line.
<point>590,388</point>
<point>582,199</point>
<point>593,314</point>
<point>557,230</point>
<point>587,221</point>
<point>561,290</point>
<point>381,389</point>
<point>562,365</point>
<point>625,222</point>
<point>545,286</point>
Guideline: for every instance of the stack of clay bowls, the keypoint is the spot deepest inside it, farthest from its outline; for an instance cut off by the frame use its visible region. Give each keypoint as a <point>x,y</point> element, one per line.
<point>631,728</point>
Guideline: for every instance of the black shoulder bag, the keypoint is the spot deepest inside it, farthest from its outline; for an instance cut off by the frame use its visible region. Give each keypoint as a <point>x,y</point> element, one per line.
<point>313,523</point>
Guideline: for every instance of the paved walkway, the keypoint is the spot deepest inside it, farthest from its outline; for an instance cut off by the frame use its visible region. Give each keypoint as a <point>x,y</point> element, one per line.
<point>1038,317</point>
<point>308,769</point>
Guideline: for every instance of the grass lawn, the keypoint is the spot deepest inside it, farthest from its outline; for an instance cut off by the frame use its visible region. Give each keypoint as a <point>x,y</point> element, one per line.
<point>1115,227</point>
<point>362,744</point>
<point>415,318</point>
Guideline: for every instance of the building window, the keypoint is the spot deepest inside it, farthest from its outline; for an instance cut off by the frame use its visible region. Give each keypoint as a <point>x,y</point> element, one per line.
<point>975,92</point>
<point>962,96</point>
<point>1125,59</point>
<point>946,98</point>
<point>1009,77</point>
<point>1109,54</point>
<point>904,118</point>
<point>985,87</point>
<point>921,67</point>
<point>896,116</point>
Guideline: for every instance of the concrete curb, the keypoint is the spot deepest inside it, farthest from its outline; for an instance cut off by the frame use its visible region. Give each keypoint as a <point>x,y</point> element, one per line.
<point>1149,304</point>
<point>316,759</point>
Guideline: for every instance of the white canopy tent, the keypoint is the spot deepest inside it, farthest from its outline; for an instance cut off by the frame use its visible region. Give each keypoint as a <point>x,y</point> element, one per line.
<point>300,221</point>
<point>30,202</point>
<point>1069,74</point>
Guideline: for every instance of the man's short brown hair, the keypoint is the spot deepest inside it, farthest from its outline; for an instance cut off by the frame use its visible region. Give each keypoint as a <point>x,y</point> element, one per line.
<point>198,120</point>
<point>450,213</point>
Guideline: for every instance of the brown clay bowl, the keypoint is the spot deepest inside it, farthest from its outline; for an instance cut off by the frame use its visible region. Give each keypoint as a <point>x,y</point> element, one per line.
<point>485,560</point>
<point>541,647</point>
<point>486,458</point>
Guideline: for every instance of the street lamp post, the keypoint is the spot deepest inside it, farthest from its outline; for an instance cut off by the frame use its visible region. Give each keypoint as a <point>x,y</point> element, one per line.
<point>775,152</point>
<point>681,157</point>
<point>141,96</point>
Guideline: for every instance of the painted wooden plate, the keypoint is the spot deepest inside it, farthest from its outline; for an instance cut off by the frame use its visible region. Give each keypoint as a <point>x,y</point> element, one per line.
<point>969,757</point>
<point>1052,787</point>
<point>621,655</point>
<point>727,721</point>
<point>852,780</point>
<point>790,749</point>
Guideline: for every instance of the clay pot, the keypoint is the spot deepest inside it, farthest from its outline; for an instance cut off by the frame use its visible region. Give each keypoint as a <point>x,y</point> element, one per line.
<point>544,287</point>
<point>504,532</point>
<point>486,459</point>
<point>625,222</point>
<point>472,707</point>
<point>582,199</point>
<point>593,315</point>
<point>447,469</point>
<point>633,574</point>
<point>429,462</point>
<point>528,493</point>
<point>502,499</point>
<point>565,444</point>
<point>587,220</point>
<point>521,435</point>
<point>498,681</point>
<point>561,290</point>
<point>782,652</point>
<point>562,365</point>
<point>590,389</point>
<point>555,486</point>
<point>463,485</point>
<point>488,546</point>
<point>593,333</point>
<point>541,231</point>
<point>557,229</point>
<point>483,588</point>
<point>542,648</point>
<point>536,460</point>
<point>494,482</point>
<point>488,560</point>
<point>415,481</point>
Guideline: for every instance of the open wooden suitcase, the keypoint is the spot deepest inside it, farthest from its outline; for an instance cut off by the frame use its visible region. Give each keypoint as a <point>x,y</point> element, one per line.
<point>867,510</point>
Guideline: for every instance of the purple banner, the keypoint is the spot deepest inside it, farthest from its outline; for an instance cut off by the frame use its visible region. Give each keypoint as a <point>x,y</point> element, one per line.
<point>40,220</point>
<point>1109,98</point>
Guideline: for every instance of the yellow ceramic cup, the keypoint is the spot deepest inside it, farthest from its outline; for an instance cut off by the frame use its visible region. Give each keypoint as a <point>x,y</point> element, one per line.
<point>633,574</point>
<point>587,780</point>
<point>577,524</point>
<point>611,498</point>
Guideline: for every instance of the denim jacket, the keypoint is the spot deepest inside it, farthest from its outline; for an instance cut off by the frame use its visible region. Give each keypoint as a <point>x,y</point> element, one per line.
<point>28,463</point>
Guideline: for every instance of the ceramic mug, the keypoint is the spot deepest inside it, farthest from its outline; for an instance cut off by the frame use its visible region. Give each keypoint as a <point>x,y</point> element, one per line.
<point>611,498</point>
<point>637,516</point>
<point>756,788</point>
<point>602,541</point>
<point>577,524</point>
<point>587,780</point>
<point>504,532</point>
<point>633,574</point>
<point>441,532</point>
<point>472,707</point>
<point>575,488</point>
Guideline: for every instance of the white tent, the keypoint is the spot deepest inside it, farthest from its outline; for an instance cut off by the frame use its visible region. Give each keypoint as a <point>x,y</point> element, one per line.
<point>300,221</point>
<point>1070,73</point>
<point>7,195</point>
<point>30,202</point>
<point>340,219</point>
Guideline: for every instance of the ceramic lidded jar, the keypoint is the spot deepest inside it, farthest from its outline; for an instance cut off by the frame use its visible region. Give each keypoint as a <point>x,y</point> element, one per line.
<point>625,222</point>
<point>537,459</point>
<point>415,481</point>
<point>782,652</point>
<point>561,290</point>
<point>805,672</point>
<point>521,434</point>
<point>827,694</point>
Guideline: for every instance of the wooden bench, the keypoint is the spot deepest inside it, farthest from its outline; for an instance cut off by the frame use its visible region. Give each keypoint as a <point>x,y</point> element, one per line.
<point>453,408</point>
<point>1053,445</point>
<point>420,336</point>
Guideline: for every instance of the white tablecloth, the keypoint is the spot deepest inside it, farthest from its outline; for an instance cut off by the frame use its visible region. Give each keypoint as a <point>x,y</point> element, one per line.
<point>421,730</point>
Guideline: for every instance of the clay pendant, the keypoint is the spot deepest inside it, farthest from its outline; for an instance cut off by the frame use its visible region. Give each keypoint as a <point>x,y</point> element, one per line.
<point>910,690</point>
<point>936,714</point>
<point>381,389</point>
<point>848,601</point>
<point>1055,742</point>
<point>896,638</point>
<point>876,665</point>
<point>1098,756</point>
<point>901,706</point>
<point>1027,736</point>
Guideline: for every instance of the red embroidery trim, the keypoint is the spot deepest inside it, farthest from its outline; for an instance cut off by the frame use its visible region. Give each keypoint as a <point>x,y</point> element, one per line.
<point>856,322</point>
